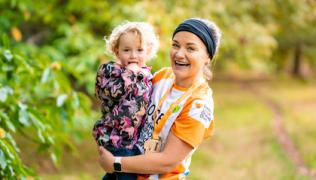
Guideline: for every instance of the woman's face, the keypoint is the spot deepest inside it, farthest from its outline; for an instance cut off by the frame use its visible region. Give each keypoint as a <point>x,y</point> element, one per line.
<point>188,56</point>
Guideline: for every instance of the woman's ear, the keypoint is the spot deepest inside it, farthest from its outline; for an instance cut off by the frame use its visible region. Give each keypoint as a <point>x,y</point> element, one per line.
<point>208,61</point>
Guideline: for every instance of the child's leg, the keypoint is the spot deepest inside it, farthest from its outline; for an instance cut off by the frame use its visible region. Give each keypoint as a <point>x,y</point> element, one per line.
<point>126,176</point>
<point>109,176</point>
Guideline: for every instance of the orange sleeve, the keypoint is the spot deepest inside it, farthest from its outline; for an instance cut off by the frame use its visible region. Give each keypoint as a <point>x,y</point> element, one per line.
<point>189,129</point>
<point>164,72</point>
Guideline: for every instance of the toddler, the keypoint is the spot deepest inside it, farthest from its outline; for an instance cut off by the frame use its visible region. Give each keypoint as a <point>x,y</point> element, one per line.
<point>124,88</point>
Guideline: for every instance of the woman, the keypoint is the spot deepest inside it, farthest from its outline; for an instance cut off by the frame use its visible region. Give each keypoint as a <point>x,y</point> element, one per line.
<point>181,111</point>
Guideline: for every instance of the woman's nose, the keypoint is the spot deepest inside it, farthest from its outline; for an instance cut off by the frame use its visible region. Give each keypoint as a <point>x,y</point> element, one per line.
<point>179,53</point>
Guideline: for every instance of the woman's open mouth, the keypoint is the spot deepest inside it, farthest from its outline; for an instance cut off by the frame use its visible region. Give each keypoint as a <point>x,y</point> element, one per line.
<point>179,63</point>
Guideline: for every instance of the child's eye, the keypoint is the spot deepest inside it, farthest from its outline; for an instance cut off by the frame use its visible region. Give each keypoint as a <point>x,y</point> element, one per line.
<point>140,50</point>
<point>125,50</point>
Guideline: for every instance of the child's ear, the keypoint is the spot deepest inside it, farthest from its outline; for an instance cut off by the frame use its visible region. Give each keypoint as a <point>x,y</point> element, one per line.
<point>149,49</point>
<point>116,51</point>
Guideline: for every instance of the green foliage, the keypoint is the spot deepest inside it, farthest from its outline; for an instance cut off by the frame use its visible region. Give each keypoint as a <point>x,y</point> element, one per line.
<point>38,101</point>
<point>50,50</point>
<point>43,96</point>
<point>293,26</point>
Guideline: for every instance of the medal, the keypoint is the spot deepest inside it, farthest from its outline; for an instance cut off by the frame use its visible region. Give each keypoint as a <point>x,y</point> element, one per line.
<point>152,145</point>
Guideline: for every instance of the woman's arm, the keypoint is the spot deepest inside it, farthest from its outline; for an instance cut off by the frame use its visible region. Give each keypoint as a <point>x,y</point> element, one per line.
<point>153,163</point>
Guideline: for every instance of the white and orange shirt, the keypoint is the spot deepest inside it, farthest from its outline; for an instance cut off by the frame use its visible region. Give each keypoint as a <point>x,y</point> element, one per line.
<point>191,120</point>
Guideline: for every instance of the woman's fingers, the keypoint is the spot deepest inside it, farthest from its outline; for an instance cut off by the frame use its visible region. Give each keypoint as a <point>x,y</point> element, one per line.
<point>101,150</point>
<point>106,159</point>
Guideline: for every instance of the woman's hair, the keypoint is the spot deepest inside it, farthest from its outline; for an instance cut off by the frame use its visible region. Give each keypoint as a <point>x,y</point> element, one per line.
<point>216,35</point>
<point>144,30</point>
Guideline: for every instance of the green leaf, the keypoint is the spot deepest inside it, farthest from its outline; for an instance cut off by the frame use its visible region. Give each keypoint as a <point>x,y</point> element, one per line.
<point>61,99</point>
<point>45,75</point>
<point>54,158</point>
<point>5,147</point>
<point>7,68</point>
<point>5,41</point>
<point>7,121</point>
<point>12,141</point>
<point>50,140</point>
<point>7,54</point>
<point>4,91</point>
<point>23,115</point>
<point>40,135</point>
<point>36,121</point>
<point>85,102</point>
<point>75,101</point>
<point>3,162</point>
<point>11,171</point>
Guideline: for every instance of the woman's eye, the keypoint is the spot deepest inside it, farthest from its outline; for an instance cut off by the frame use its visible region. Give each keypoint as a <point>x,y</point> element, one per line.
<point>191,49</point>
<point>175,45</point>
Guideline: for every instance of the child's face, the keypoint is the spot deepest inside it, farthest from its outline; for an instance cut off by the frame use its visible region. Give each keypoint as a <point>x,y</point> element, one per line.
<point>130,50</point>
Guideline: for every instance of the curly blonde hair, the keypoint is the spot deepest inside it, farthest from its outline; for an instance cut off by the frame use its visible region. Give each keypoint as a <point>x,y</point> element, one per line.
<point>145,31</point>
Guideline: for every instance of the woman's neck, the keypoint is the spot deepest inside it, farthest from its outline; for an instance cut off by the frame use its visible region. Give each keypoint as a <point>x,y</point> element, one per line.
<point>186,83</point>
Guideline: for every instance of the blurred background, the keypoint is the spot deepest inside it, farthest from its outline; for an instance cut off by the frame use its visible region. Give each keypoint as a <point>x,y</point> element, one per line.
<point>264,84</point>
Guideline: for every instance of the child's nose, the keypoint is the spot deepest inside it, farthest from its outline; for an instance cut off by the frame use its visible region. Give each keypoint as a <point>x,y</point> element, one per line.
<point>133,54</point>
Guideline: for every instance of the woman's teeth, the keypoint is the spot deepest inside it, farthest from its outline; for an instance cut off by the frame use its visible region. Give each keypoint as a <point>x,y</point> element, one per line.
<point>181,63</point>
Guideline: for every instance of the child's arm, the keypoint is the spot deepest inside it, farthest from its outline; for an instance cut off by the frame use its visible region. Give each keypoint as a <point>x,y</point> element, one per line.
<point>100,80</point>
<point>109,85</point>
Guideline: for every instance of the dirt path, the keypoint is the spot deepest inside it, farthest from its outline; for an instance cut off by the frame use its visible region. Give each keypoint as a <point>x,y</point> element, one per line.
<point>280,132</point>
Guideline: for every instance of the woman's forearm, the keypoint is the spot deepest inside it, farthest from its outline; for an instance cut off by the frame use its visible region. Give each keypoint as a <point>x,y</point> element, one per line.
<point>153,163</point>
<point>158,163</point>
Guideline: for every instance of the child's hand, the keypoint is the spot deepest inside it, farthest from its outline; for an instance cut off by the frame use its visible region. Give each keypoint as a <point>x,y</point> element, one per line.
<point>133,67</point>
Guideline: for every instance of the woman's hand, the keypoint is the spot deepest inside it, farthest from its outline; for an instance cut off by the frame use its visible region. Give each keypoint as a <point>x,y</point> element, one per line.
<point>106,160</point>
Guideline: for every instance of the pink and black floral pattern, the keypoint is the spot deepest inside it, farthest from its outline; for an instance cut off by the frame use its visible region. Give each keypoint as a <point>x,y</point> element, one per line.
<point>124,97</point>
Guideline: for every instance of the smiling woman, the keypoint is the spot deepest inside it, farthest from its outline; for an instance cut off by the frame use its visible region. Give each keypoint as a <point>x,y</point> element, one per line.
<point>180,112</point>
<point>188,57</point>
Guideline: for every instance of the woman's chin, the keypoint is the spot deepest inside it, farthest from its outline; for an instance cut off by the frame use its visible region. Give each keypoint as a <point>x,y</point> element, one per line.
<point>181,74</point>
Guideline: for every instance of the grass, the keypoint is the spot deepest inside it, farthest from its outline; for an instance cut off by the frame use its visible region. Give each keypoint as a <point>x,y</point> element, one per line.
<point>244,145</point>
<point>298,102</point>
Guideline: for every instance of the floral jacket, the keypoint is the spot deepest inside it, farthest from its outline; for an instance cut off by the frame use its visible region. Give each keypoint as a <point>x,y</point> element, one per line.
<point>124,97</point>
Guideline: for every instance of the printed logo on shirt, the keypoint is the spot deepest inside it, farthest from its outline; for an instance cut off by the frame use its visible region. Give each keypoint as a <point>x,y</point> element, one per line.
<point>176,109</point>
<point>198,105</point>
<point>201,112</point>
<point>206,114</point>
<point>150,113</point>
